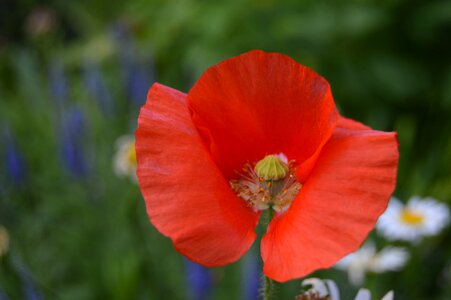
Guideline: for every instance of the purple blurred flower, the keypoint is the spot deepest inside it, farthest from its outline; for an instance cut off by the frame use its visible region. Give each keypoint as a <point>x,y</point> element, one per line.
<point>72,132</point>
<point>15,164</point>
<point>58,82</point>
<point>138,83</point>
<point>251,276</point>
<point>120,32</point>
<point>138,76</point>
<point>3,296</point>
<point>199,280</point>
<point>96,87</point>
<point>30,291</point>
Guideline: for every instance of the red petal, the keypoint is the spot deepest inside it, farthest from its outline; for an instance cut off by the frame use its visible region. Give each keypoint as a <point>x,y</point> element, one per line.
<point>338,205</point>
<point>186,196</point>
<point>261,103</point>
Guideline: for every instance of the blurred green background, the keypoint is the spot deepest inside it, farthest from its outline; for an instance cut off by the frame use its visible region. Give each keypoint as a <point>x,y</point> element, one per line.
<point>73,75</point>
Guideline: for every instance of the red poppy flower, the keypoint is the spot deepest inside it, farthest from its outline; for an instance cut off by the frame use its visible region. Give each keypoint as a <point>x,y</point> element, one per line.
<point>203,159</point>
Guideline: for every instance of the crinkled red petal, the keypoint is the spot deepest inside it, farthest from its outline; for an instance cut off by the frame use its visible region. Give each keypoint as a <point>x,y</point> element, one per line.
<point>186,196</point>
<point>262,103</point>
<point>339,203</point>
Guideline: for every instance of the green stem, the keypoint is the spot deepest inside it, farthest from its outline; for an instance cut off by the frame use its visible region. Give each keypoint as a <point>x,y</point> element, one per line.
<point>268,282</point>
<point>267,288</point>
<point>270,215</point>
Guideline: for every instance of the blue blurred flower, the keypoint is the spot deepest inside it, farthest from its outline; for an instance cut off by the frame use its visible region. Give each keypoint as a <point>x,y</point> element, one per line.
<point>138,82</point>
<point>14,162</point>
<point>251,276</point>
<point>3,296</point>
<point>71,123</point>
<point>30,291</point>
<point>96,87</point>
<point>199,280</point>
<point>121,34</point>
<point>72,131</point>
<point>58,82</point>
<point>138,76</point>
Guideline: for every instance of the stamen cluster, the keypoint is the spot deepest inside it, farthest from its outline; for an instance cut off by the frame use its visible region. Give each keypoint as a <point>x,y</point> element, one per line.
<point>262,193</point>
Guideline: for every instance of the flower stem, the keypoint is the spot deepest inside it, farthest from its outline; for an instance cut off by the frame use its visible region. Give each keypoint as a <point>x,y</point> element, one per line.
<point>268,283</point>
<point>267,287</point>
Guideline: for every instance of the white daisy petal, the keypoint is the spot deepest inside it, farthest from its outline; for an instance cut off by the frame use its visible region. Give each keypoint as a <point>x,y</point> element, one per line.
<point>124,162</point>
<point>357,276</point>
<point>317,285</point>
<point>389,296</point>
<point>327,287</point>
<point>367,259</point>
<point>363,294</point>
<point>357,263</point>
<point>334,294</point>
<point>389,259</point>
<point>413,221</point>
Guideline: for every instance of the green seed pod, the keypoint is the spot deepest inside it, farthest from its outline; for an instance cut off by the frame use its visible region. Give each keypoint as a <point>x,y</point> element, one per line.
<point>271,168</point>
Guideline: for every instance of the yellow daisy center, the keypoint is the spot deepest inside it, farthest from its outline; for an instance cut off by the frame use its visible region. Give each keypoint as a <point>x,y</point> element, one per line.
<point>131,154</point>
<point>411,217</point>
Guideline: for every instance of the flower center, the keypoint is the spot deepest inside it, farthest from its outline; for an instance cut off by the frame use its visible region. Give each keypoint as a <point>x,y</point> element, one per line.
<point>131,154</point>
<point>270,183</point>
<point>411,218</point>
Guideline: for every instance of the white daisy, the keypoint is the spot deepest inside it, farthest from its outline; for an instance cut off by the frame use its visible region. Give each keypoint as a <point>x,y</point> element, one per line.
<point>367,259</point>
<point>4,241</point>
<point>410,222</point>
<point>327,289</point>
<point>124,163</point>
